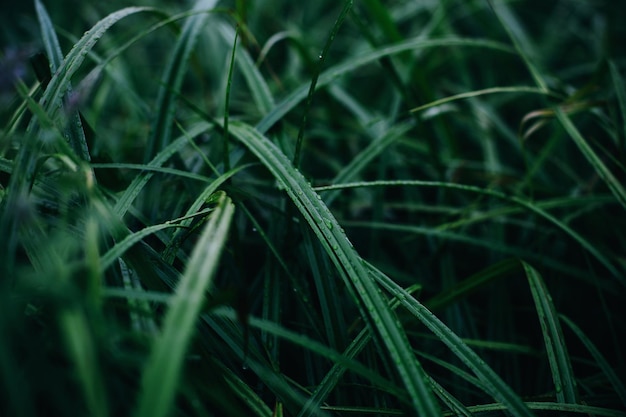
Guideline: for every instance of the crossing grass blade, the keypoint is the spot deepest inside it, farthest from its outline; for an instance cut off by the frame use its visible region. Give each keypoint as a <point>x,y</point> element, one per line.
<point>604,365</point>
<point>161,373</point>
<point>495,386</point>
<point>374,309</point>
<point>352,64</point>
<point>556,348</point>
<point>173,78</point>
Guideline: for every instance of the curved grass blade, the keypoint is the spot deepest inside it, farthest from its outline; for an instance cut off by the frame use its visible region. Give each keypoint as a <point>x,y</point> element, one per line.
<point>618,385</point>
<point>494,385</point>
<point>76,134</point>
<point>558,357</point>
<point>374,309</point>
<point>587,410</point>
<point>353,63</point>
<point>60,81</point>
<point>528,205</point>
<point>126,200</point>
<point>486,91</point>
<point>173,79</point>
<point>161,374</point>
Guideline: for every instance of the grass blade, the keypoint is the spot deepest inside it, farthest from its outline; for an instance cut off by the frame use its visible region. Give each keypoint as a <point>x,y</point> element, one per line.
<point>560,364</point>
<point>495,386</point>
<point>173,79</point>
<point>603,172</point>
<point>160,377</point>
<point>76,134</point>
<point>618,385</point>
<point>374,309</point>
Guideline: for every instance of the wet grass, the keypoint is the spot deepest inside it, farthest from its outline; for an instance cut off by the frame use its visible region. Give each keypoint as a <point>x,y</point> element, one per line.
<point>399,208</point>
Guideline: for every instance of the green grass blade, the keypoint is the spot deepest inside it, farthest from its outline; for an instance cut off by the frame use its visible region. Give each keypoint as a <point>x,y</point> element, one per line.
<point>528,205</point>
<point>173,79</point>
<point>620,91</point>
<point>618,385</point>
<point>601,169</point>
<point>493,90</point>
<point>353,63</point>
<point>77,331</point>
<point>161,374</point>
<point>495,386</point>
<point>60,81</point>
<point>76,134</point>
<point>510,25</point>
<point>347,5</point>
<point>558,357</point>
<point>259,90</point>
<point>130,194</point>
<point>374,309</point>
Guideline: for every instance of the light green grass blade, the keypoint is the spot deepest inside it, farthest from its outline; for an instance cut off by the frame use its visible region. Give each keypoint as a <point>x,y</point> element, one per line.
<point>604,365</point>
<point>558,357</point>
<point>353,63</point>
<point>160,378</point>
<point>601,169</point>
<point>495,386</point>
<point>173,78</point>
<point>373,307</point>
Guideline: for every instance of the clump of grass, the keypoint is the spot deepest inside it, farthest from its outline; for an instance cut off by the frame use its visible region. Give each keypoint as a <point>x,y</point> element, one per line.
<point>316,209</point>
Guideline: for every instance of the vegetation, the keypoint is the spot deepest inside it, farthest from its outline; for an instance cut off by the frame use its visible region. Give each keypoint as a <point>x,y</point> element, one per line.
<point>282,208</point>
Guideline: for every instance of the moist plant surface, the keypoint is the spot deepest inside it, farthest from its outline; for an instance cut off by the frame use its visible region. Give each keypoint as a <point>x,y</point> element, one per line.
<point>354,208</point>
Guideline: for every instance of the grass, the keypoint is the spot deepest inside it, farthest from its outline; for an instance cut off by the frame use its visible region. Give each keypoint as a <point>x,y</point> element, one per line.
<point>320,209</point>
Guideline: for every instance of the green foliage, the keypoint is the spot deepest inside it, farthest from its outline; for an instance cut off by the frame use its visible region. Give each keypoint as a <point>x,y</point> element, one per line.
<point>312,209</point>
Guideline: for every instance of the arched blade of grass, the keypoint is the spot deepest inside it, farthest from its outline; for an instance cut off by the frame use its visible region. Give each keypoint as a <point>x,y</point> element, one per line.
<point>528,205</point>
<point>131,239</point>
<point>558,357</point>
<point>173,78</point>
<point>367,155</point>
<point>493,90</point>
<point>55,56</point>
<point>473,283</point>
<point>374,309</point>
<point>60,81</point>
<point>617,384</point>
<point>130,194</point>
<point>494,385</point>
<point>170,250</point>
<point>353,63</point>
<point>549,406</point>
<point>161,373</point>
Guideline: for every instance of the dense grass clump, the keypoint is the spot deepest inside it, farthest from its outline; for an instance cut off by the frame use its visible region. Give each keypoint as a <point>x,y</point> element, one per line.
<point>312,209</point>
